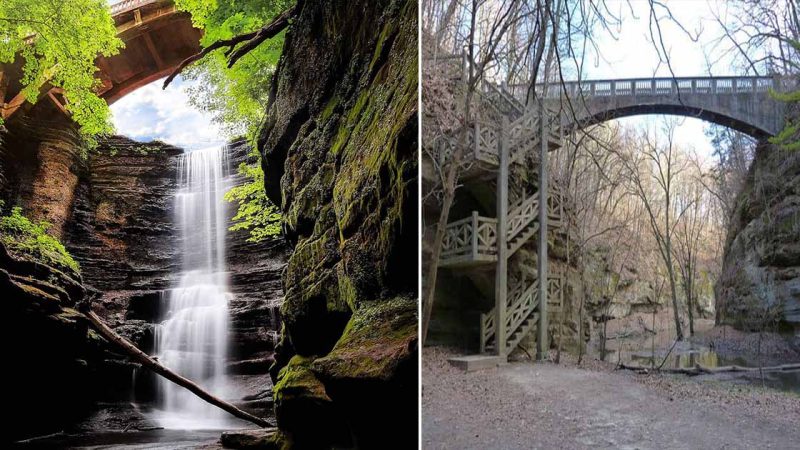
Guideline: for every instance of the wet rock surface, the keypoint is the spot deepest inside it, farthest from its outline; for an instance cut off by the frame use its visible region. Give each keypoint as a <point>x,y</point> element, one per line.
<point>53,359</point>
<point>123,234</point>
<point>118,224</point>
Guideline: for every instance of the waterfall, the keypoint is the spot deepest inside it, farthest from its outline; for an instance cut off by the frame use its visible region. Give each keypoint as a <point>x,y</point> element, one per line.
<point>193,337</point>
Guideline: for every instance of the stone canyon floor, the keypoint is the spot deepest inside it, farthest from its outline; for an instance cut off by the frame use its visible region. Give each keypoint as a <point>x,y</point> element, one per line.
<point>544,405</point>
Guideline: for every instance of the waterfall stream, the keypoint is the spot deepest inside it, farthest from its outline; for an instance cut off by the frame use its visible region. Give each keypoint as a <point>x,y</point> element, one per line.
<point>193,337</point>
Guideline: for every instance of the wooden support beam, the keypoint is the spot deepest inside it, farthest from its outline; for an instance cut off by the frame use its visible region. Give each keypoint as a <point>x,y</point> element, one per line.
<point>12,106</point>
<point>541,259</point>
<point>52,95</point>
<point>501,272</point>
<point>151,47</point>
<point>123,28</point>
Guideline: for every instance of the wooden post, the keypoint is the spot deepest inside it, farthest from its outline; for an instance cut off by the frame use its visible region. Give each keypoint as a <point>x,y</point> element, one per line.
<point>483,333</point>
<point>542,341</point>
<point>475,241</point>
<point>501,274</point>
<point>476,139</point>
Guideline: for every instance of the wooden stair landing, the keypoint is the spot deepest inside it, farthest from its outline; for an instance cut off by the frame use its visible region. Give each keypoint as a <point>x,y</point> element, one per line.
<point>478,362</point>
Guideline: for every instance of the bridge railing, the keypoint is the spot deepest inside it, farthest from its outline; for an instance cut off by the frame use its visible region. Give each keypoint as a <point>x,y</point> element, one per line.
<point>651,87</point>
<point>127,5</point>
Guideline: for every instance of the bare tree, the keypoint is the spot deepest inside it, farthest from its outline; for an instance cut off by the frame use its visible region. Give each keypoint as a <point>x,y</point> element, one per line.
<point>653,171</point>
<point>690,199</point>
<point>488,23</point>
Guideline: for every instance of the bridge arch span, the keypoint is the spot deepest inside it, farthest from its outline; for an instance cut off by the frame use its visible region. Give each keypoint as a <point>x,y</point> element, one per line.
<point>157,37</point>
<point>741,124</point>
<point>741,103</point>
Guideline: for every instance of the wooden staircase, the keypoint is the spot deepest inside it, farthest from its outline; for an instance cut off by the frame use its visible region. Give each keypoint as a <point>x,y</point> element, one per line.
<point>503,120</point>
<point>473,240</point>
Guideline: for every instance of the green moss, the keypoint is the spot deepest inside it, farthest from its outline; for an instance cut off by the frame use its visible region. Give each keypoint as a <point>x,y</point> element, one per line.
<point>22,236</point>
<point>327,112</point>
<point>378,337</point>
<point>296,379</point>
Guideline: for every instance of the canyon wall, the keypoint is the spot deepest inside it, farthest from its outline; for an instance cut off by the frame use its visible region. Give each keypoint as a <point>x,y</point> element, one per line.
<point>122,232</point>
<point>113,210</point>
<point>340,156</point>
<point>759,287</point>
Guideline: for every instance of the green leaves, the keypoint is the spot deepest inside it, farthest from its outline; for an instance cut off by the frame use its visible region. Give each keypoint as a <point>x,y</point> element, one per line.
<point>22,236</point>
<point>256,212</point>
<point>59,41</point>
<point>789,138</point>
<point>236,97</point>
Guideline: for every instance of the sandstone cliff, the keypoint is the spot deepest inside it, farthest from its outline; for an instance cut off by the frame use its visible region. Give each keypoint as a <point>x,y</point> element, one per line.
<point>115,212</point>
<point>760,281</point>
<point>340,150</point>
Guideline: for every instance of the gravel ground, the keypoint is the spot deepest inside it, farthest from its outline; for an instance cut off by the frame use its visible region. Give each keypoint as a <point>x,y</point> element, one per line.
<point>543,406</point>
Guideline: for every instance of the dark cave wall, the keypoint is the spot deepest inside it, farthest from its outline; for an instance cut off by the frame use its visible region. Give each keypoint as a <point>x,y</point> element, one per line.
<point>340,157</point>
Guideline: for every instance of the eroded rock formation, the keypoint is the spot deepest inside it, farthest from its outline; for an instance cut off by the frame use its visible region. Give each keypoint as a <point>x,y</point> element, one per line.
<point>759,287</point>
<point>339,151</point>
<point>114,211</point>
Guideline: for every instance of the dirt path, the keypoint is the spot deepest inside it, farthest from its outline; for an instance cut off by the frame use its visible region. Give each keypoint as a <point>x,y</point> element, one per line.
<point>524,405</point>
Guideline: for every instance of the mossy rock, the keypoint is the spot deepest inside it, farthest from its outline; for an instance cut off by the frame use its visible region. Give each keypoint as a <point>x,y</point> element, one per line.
<point>378,338</point>
<point>303,408</point>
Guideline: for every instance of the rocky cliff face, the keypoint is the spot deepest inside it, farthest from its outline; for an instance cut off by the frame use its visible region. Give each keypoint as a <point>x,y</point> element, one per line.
<point>115,211</point>
<point>52,359</point>
<point>35,151</point>
<point>760,281</point>
<point>339,151</point>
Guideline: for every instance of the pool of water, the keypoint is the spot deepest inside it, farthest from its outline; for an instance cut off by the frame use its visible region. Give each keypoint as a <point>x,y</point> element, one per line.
<point>687,355</point>
<point>152,439</point>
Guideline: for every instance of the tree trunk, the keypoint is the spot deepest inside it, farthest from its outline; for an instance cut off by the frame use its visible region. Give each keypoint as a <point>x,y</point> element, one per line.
<point>674,292</point>
<point>151,363</point>
<point>436,251</point>
<point>690,304</point>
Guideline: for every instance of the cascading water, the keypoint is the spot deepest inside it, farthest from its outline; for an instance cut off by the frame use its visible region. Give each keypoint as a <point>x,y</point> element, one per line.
<point>192,340</point>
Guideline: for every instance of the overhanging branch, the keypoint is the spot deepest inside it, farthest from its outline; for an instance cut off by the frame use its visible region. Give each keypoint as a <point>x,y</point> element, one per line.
<point>249,42</point>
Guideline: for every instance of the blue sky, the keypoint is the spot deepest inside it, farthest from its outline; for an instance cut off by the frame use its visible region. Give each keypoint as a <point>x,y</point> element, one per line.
<point>152,113</point>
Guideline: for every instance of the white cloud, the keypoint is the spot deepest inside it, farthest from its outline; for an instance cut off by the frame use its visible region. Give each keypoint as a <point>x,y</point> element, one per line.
<point>152,113</point>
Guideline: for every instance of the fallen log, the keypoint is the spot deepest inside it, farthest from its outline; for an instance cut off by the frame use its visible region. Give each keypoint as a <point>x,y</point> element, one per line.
<point>151,363</point>
<point>700,369</point>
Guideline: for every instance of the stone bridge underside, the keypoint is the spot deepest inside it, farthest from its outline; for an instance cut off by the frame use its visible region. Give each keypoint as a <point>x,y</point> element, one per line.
<point>741,103</point>
<point>157,38</point>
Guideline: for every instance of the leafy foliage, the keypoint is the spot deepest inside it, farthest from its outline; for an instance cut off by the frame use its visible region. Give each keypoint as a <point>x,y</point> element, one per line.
<point>237,97</point>
<point>256,212</point>
<point>59,41</point>
<point>20,235</point>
